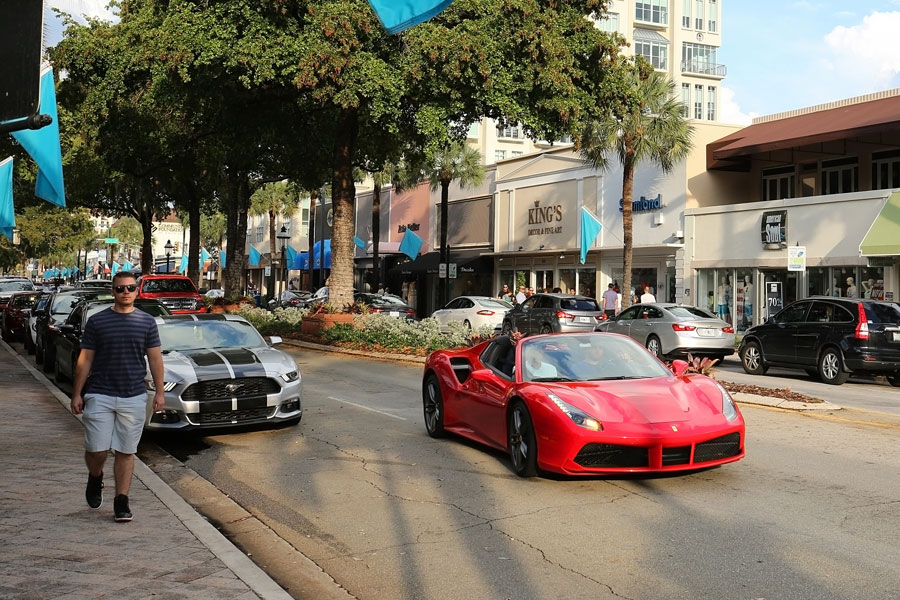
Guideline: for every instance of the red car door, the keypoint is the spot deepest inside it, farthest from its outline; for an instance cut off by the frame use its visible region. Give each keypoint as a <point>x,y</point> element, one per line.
<point>483,406</point>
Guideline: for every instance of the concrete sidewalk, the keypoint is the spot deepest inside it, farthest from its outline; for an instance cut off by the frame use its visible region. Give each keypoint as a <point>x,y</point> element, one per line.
<point>52,545</point>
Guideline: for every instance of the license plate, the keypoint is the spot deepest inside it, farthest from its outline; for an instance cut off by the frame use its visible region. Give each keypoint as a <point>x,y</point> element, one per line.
<point>706,332</point>
<point>896,336</point>
<point>584,319</point>
<point>394,313</point>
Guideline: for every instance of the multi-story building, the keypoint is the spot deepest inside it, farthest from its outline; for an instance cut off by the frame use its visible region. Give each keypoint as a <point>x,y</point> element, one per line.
<point>680,38</point>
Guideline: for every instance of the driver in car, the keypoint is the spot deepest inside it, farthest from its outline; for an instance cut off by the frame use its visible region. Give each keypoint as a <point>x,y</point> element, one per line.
<point>536,366</point>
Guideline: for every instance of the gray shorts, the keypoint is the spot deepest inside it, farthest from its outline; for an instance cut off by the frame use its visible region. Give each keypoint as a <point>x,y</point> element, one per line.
<point>112,422</point>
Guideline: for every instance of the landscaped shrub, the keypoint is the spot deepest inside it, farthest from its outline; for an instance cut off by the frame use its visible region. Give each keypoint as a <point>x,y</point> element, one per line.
<point>281,321</point>
<point>396,334</point>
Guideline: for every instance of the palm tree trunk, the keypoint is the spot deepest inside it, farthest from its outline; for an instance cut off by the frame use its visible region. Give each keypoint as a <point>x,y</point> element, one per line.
<point>376,234</point>
<point>445,251</point>
<point>236,232</point>
<point>343,191</point>
<point>627,225</point>
<point>310,237</point>
<point>195,267</point>
<point>271,292</point>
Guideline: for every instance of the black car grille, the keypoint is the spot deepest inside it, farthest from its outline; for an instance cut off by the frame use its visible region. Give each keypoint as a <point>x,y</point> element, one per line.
<point>611,456</point>
<point>228,416</point>
<point>216,389</point>
<point>179,303</point>
<point>676,456</point>
<point>719,448</point>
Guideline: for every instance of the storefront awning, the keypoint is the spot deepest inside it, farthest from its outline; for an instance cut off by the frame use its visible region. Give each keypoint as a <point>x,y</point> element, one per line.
<point>430,261</point>
<point>883,238</point>
<point>648,35</point>
<point>853,120</point>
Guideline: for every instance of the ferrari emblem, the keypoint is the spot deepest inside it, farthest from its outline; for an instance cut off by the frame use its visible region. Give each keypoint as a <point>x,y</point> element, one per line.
<point>674,428</point>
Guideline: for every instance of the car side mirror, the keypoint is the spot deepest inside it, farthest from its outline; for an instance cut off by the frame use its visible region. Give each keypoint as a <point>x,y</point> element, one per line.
<point>274,339</point>
<point>67,328</point>
<point>679,367</point>
<point>483,375</point>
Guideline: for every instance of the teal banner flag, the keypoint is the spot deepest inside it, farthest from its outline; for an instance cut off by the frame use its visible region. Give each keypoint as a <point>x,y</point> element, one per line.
<point>254,257</point>
<point>7,213</point>
<point>397,15</point>
<point>590,229</point>
<point>410,244</point>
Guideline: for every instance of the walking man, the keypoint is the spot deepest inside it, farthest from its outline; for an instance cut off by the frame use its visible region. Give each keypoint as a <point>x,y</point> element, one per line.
<point>610,301</point>
<point>109,389</point>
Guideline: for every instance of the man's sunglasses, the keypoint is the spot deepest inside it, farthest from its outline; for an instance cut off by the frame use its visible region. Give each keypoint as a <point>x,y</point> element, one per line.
<point>120,289</point>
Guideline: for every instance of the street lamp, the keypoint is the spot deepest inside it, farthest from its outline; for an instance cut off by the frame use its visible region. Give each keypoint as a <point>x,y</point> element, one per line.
<point>168,247</point>
<point>283,237</point>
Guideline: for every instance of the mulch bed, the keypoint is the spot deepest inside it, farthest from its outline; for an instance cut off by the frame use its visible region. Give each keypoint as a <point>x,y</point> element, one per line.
<point>783,393</point>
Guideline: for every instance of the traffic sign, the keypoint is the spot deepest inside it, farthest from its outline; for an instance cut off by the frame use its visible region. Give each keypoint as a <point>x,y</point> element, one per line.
<point>112,241</point>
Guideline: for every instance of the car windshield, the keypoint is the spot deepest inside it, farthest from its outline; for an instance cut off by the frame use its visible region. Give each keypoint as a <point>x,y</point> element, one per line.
<point>587,357</point>
<point>579,304</point>
<point>16,285</point>
<point>26,301</point>
<point>382,300</point>
<point>690,312</point>
<point>63,303</point>
<point>153,308</point>
<point>187,335</point>
<point>154,286</point>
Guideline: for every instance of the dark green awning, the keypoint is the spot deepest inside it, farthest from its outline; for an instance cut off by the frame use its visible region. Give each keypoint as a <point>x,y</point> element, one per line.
<point>883,238</point>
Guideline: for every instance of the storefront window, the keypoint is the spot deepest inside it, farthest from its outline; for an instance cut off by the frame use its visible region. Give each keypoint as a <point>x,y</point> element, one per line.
<point>523,277</point>
<point>639,279</point>
<point>507,276</point>
<point>844,282</point>
<point>818,282</point>
<point>706,289</point>
<point>587,282</point>
<point>567,281</point>
<point>543,281</point>
<point>744,299</point>
<point>871,282</point>
<point>724,295</point>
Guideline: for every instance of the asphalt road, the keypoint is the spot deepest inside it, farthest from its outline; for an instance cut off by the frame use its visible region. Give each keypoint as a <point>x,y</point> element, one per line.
<point>360,489</point>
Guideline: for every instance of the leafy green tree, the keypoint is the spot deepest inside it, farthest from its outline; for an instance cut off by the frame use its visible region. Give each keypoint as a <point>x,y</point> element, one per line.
<point>55,235</point>
<point>652,129</point>
<point>273,199</point>
<point>457,162</point>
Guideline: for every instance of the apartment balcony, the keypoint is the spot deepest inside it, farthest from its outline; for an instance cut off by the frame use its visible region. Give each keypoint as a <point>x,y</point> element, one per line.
<point>705,68</point>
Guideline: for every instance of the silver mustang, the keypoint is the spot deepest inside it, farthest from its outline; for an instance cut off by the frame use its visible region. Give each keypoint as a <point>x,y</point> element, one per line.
<point>220,372</point>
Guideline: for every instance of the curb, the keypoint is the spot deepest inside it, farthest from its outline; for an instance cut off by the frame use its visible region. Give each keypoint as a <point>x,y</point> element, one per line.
<point>245,569</point>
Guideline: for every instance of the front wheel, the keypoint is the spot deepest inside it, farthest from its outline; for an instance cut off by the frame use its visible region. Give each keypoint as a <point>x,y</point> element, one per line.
<point>894,379</point>
<point>831,368</point>
<point>506,328</point>
<point>522,441</point>
<point>545,328</point>
<point>751,359</point>
<point>467,325</point>
<point>433,406</point>
<point>654,346</point>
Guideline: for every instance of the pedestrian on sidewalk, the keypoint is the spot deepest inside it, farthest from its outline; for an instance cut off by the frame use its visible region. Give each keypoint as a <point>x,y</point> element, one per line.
<point>109,389</point>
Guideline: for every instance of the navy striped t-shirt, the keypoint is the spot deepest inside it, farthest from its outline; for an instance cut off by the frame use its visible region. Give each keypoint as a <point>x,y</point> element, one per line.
<point>120,341</point>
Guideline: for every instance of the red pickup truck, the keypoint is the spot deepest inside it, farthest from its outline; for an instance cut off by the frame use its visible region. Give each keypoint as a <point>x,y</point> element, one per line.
<point>177,292</point>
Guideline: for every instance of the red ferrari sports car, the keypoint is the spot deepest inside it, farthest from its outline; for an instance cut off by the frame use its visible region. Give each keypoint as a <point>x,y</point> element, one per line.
<point>581,404</point>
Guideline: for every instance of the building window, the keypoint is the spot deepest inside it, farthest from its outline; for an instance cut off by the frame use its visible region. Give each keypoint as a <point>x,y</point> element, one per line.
<point>609,23</point>
<point>288,224</point>
<point>516,153</point>
<point>886,170</point>
<point>698,14</point>
<point>713,16</point>
<point>840,176</point>
<point>686,16</point>
<point>509,132</point>
<point>778,184</point>
<point>656,53</point>
<point>474,129</point>
<point>260,231</point>
<point>686,100</point>
<point>699,58</point>
<point>698,101</point>
<point>499,154</point>
<point>710,103</point>
<point>652,11</point>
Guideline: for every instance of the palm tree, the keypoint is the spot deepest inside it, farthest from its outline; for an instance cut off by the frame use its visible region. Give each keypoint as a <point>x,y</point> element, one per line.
<point>458,161</point>
<point>651,128</point>
<point>273,199</point>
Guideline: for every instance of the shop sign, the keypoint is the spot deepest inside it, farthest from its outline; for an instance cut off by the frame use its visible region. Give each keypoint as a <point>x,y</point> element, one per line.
<point>451,270</point>
<point>774,299</point>
<point>774,229</point>
<point>544,217</point>
<point>410,226</point>
<point>881,261</point>
<point>796,258</point>
<point>644,204</point>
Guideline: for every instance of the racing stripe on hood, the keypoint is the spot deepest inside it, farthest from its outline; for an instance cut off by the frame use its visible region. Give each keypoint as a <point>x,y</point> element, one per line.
<point>244,362</point>
<point>208,364</point>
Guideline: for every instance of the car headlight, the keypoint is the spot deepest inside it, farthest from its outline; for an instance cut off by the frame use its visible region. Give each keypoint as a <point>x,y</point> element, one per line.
<point>728,407</point>
<point>578,416</point>
<point>168,386</point>
<point>290,376</point>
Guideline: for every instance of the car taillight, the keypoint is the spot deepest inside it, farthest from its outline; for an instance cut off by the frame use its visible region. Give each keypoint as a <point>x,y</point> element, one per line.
<point>680,327</point>
<point>601,317</point>
<point>728,329</point>
<point>485,313</point>
<point>862,328</point>
<point>560,314</point>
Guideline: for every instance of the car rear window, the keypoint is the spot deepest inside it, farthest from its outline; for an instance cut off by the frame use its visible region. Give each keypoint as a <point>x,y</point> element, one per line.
<point>154,286</point>
<point>495,304</point>
<point>579,304</point>
<point>690,312</point>
<point>883,313</point>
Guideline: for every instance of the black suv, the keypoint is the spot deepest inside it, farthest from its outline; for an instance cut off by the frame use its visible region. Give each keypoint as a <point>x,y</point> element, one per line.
<point>545,313</point>
<point>829,338</point>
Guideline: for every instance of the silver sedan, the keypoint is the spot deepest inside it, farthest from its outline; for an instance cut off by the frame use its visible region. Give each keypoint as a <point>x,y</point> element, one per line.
<point>473,312</point>
<point>668,329</point>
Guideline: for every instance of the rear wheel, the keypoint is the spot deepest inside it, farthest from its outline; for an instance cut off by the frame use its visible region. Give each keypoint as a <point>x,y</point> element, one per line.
<point>506,328</point>
<point>894,379</point>
<point>831,367</point>
<point>654,346</point>
<point>433,406</point>
<point>545,328</point>
<point>522,441</point>
<point>467,325</point>
<point>751,359</point>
